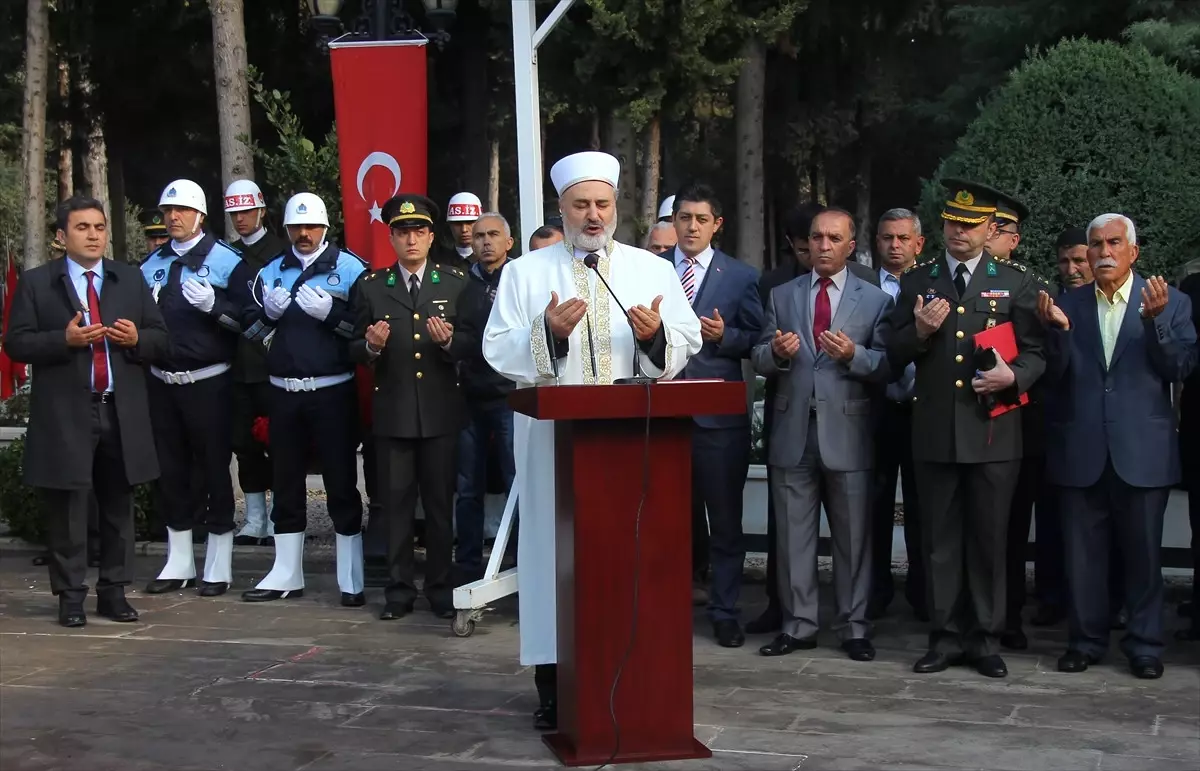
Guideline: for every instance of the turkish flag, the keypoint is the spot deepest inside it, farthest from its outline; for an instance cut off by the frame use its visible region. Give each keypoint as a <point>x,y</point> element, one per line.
<point>379,93</point>
<point>12,374</point>
<point>382,105</point>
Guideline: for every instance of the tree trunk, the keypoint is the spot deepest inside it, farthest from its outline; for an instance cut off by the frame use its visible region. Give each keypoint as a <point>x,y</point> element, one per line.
<point>651,171</point>
<point>95,175</point>
<point>233,99</point>
<point>116,193</point>
<point>66,162</point>
<point>473,88</point>
<point>624,146</point>
<point>863,204</point>
<point>751,90</point>
<point>33,133</point>
<point>594,141</point>
<point>493,186</point>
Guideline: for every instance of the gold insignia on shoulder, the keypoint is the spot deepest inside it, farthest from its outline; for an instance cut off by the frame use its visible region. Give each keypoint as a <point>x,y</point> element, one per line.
<point>369,277</point>
<point>407,208</point>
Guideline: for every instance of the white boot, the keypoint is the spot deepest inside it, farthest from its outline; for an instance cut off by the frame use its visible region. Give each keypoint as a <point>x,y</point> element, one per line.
<point>286,578</point>
<point>181,561</point>
<point>350,568</point>
<point>256,517</point>
<point>218,564</point>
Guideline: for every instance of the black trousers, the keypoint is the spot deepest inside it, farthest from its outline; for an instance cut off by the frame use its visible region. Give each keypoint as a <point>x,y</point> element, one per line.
<point>66,515</point>
<point>1030,490</point>
<point>251,401</point>
<point>1093,519</point>
<point>324,421</point>
<point>193,431</point>
<point>893,459</point>
<point>427,468</point>
<point>720,461</point>
<point>965,510</point>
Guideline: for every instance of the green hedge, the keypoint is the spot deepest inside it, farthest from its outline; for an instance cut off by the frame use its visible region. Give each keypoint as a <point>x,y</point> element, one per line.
<point>1083,129</point>
<point>20,507</point>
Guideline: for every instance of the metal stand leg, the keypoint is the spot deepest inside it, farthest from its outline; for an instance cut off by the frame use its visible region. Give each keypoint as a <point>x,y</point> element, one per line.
<point>471,600</point>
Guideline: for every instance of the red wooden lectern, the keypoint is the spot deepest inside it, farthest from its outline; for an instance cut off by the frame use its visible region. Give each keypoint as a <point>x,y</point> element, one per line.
<point>601,457</point>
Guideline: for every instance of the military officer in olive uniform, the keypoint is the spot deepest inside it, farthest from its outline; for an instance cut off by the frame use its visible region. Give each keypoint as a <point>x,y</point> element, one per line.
<point>405,325</point>
<point>154,229</point>
<point>966,462</point>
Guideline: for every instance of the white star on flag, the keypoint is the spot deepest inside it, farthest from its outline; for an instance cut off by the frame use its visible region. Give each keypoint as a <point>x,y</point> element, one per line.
<point>376,212</point>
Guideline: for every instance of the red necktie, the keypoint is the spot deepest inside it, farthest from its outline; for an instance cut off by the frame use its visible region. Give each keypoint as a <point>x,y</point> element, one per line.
<point>99,352</point>
<point>822,313</point>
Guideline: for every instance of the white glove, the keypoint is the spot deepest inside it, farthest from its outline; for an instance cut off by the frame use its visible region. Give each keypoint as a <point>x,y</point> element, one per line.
<point>315,302</point>
<point>199,294</point>
<point>276,302</point>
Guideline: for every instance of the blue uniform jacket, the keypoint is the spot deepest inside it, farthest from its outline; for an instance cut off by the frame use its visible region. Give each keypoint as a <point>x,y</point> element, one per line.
<point>302,346</point>
<point>199,339</point>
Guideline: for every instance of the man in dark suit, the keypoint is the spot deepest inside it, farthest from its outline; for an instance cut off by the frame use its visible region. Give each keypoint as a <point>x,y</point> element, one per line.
<point>418,408</point>
<point>1115,348</point>
<point>87,324</point>
<point>1189,443</point>
<point>966,461</point>
<point>724,294</point>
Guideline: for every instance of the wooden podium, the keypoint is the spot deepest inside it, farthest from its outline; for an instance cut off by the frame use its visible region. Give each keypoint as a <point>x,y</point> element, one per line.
<point>604,459</point>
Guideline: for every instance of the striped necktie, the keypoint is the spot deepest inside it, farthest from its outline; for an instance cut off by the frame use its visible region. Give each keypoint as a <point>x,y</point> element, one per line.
<point>689,278</point>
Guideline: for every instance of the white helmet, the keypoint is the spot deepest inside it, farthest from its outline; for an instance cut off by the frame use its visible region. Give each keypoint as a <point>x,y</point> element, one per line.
<point>184,192</point>
<point>464,207</point>
<point>667,210</point>
<point>243,195</point>
<point>305,209</point>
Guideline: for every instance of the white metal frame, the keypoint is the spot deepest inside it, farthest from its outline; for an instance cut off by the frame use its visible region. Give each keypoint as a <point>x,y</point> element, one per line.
<point>471,600</point>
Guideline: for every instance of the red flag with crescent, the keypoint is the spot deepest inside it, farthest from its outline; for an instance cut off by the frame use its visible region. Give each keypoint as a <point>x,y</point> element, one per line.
<point>380,97</point>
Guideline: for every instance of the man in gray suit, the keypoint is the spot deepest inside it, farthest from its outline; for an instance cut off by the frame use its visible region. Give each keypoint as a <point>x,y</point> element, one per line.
<point>823,340</point>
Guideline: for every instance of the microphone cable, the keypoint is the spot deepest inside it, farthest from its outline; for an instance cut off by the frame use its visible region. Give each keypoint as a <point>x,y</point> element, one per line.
<point>637,582</point>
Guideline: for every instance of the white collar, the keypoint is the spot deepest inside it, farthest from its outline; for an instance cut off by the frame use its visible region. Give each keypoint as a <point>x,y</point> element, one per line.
<point>182,248</point>
<point>255,237</point>
<point>971,264</point>
<point>704,258</point>
<point>308,259</point>
<point>419,273</point>
<point>839,278</point>
<point>465,252</point>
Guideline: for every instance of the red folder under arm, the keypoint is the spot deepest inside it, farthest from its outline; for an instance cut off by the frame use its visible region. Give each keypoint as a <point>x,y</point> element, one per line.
<point>1004,340</point>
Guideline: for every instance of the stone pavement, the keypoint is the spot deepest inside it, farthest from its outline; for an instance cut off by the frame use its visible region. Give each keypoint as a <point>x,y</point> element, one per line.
<point>306,685</point>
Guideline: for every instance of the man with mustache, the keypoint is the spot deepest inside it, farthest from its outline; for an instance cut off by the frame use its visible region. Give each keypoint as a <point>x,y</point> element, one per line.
<point>966,461</point>
<point>301,313</point>
<point>201,287</point>
<point>406,316</point>
<point>486,393</point>
<point>555,322</point>
<point>1114,350</point>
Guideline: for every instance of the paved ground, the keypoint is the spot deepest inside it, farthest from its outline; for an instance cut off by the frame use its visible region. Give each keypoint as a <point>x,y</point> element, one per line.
<point>219,684</point>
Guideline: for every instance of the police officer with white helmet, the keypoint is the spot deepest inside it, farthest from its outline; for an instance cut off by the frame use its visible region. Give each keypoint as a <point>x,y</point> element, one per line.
<point>301,311</point>
<point>201,286</point>
<point>247,209</point>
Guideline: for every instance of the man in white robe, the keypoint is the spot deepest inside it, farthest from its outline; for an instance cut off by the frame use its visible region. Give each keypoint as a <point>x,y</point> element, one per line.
<point>555,323</point>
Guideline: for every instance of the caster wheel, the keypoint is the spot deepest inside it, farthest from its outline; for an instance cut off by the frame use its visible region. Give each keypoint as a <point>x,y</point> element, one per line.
<point>463,625</point>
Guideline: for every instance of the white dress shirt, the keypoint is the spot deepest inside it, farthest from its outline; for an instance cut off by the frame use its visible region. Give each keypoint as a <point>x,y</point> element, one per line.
<point>420,274</point>
<point>78,276</point>
<point>835,293</point>
<point>971,264</point>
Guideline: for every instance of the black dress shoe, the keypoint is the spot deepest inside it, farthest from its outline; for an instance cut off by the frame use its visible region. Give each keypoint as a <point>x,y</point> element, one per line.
<point>785,644</point>
<point>117,609</point>
<point>442,609</point>
<point>165,585</point>
<point>353,600</point>
<point>212,588</point>
<point>728,633</point>
<point>545,717</point>
<point>395,610</point>
<point>39,561</point>
<point>71,615</point>
<point>936,661</point>
<point>1073,662</point>
<point>859,649</point>
<point>1048,615</point>
<point>991,666</point>
<point>1146,667</point>
<point>1188,635</point>
<point>1014,640</point>
<point>270,595</point>
<point>770,621</point>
